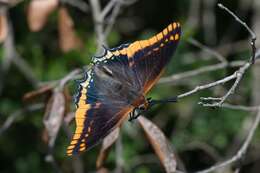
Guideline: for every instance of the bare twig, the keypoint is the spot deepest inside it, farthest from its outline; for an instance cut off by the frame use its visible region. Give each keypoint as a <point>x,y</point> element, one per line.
<point>112,19</point>
<point>236,75</point>
<point>206,86</point>
<point>80,4</point>
<point>251,32</point>
<point>119,155</point>
<point>240,107</point>
<point>99,17</point>
<point>242,151</point>
<point>207,49</point>
<point>172,79</point>
<point>96,11</point>
<point>71,76</point>
<point>11,56</point>
<point>217,102</point>
<point>224,64</point>
<point>108,8</point>
<point>11,118</point>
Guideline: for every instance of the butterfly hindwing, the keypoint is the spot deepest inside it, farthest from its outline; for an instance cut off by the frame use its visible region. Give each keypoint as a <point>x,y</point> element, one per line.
<point>103,101</point>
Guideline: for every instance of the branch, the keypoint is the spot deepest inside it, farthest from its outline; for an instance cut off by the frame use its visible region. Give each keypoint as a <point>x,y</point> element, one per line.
<point>242,151</point>
<point>99,17</point>
<point>11,56</point>
<point>80,4</point>
<point>11,118</point>
<point>240,107</point>
<point>251,32</point>
<point>207,49</point>
<point>172,79</point>
<point>98,22</point>
<point>209,85</point>
<point>204,70</point>
<point>217,102</point>
<point>108,8</point>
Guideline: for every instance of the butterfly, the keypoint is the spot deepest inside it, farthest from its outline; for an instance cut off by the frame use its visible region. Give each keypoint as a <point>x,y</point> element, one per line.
<point>117,83</point>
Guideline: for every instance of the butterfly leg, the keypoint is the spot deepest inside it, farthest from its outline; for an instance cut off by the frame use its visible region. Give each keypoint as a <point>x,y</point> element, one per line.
<point>136,113</point>
<point>142,109</point>
<point>131,116</point>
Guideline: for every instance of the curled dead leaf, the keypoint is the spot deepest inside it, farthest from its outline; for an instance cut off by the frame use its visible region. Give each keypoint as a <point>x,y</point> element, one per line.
<point>68,40</point>
<point>108,141</point>
<point>53,116</point>
<point>38,12</point>
<point>160,144</point>
<point>3,27</point>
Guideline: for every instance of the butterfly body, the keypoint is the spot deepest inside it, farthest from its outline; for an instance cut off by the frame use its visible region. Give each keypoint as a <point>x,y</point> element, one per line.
<point>117,83</point>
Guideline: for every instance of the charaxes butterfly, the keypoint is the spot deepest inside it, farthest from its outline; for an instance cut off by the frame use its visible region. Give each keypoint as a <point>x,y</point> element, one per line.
<point>117,83</point>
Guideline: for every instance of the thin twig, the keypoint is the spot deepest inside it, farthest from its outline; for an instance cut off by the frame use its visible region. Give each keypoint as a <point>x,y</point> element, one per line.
<point>242,151</point>
<point>206,86</point>
<point>11,56</point>
<point>207,49</point>
<point>112,19</point>
<point>11,118</point>
<point>69,77</point>
<point>80,4</point>
<point>251,32</point>
<point>240,107</point>
<point>108,8</point>
<point>119,155</point>
<point>98,23</point>
<point>217,102</point>
<point>172,79</point>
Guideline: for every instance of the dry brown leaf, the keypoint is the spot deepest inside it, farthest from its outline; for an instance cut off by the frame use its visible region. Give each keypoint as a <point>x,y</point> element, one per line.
<point>68,40</point>
<point>53,116</point>
<point>108,141</point>
<point>159,143</point>
<point>3,27</point>
<point>38,12</point>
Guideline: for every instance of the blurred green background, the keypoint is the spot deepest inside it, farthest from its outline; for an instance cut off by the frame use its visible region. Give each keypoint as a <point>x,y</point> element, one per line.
<point>200,136</point>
